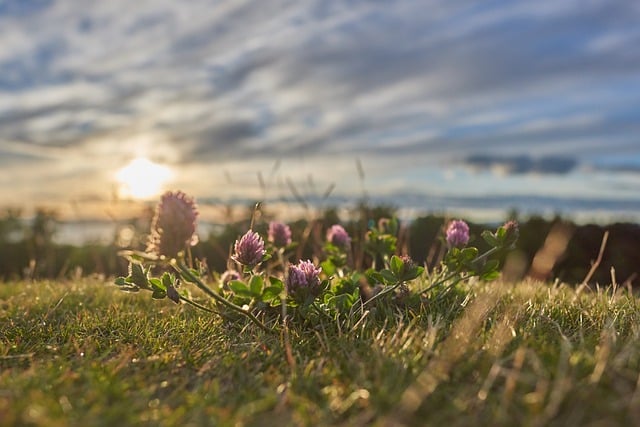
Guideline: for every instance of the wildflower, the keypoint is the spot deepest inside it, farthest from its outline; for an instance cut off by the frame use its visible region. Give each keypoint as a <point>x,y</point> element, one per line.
<point>279,234</point>
<point>303,280</point>
<point>174,225</point>
<point>249,249</point>
<point>338,236</point>
<point>457,234</point>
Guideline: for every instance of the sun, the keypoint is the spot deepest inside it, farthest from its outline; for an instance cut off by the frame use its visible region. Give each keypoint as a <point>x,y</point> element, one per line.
<point>142,179</point>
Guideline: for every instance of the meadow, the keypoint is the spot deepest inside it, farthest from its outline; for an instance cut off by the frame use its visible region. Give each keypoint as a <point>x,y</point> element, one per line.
<point>81,353</point>
<point>356,334</point>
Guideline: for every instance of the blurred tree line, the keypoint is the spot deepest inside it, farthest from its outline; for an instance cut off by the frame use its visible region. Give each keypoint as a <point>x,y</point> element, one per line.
<point>548,249</point>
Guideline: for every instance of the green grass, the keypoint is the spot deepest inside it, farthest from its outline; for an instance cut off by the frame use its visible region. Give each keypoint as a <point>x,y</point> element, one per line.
<point>83,353</point>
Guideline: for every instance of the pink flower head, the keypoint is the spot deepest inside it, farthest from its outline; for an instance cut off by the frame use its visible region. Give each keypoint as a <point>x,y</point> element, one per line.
<point>174,225</point>
<point>303,280</point>
<point>249,249</point>
<point>279,234</point>
<point>338,236</point>
<point>457,233</point>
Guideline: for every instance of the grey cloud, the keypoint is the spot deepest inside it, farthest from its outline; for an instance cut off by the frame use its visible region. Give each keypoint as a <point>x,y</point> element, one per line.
<point>620,167</point>
<point>279,79</point>
<point>522,164</point>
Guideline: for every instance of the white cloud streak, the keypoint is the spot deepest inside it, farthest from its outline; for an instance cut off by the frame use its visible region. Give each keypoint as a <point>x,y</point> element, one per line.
<point>240,84</point>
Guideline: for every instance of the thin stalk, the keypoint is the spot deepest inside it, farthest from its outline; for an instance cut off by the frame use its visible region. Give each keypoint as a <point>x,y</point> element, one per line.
<point>440,282</point>
<point>182,269</point>
<point>382,293</point>
<point>486,254</point>
<point>200,306</point>
<point>455,273</point>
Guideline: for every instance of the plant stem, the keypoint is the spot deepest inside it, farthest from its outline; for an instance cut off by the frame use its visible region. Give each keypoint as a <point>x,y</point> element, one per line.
<point>183,270</point>
<point>440,282</point>
<point>455,273</point>
<point>486,254</point>
<point>383,292</point>
<point>195,304</point>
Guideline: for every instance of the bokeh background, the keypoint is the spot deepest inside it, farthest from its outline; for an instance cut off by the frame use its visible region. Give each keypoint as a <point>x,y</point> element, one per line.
<point>461,107</point>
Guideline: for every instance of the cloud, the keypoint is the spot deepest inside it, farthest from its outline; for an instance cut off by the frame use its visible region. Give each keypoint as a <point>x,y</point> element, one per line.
<point>530,86</point>
<point>521,164</point>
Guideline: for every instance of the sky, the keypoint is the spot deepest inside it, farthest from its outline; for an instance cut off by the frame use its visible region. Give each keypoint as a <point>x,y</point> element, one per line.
<point>453,106</point>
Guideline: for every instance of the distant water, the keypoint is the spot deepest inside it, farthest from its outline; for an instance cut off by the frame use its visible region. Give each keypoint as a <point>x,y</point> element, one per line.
<point>79,233</point>
<point>488,210</point>
<point>105,232</point>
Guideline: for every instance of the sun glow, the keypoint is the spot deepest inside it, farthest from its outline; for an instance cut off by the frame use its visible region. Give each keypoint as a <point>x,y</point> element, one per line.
<point>142,179</point>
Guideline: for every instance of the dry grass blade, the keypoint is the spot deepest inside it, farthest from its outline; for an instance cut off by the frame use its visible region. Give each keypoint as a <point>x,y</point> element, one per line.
<point>596,263</point>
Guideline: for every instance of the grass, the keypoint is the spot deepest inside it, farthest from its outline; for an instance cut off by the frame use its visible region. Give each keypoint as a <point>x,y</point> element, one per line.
<point>82,353</point>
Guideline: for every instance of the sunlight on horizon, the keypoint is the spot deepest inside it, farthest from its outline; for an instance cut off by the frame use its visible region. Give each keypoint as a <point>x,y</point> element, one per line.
<point>142,179</point>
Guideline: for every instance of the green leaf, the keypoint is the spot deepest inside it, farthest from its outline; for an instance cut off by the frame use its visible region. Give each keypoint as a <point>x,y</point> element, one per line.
<point>491,275</point>
<point>501,233</point>
<point>138,276</point>
<point>255,285</point>
<point>328,267</point>
<point>121,281</point>
<point>375,275</point>
<point>491,265</point>
<point>240,288</point>
<point>167,280</point>
<point>468,254</point>
<point>126,286</point>
<point>490,238</point>
<point>412,273</point>
<point>156,284</point>
<point>276,282</point>
<point>388,277</point>
<point>158,294</point>
<point>397,266</point>
<point>271,293</point>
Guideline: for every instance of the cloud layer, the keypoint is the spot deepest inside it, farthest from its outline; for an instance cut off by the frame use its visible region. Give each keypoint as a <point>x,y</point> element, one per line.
<point>404,85</point>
